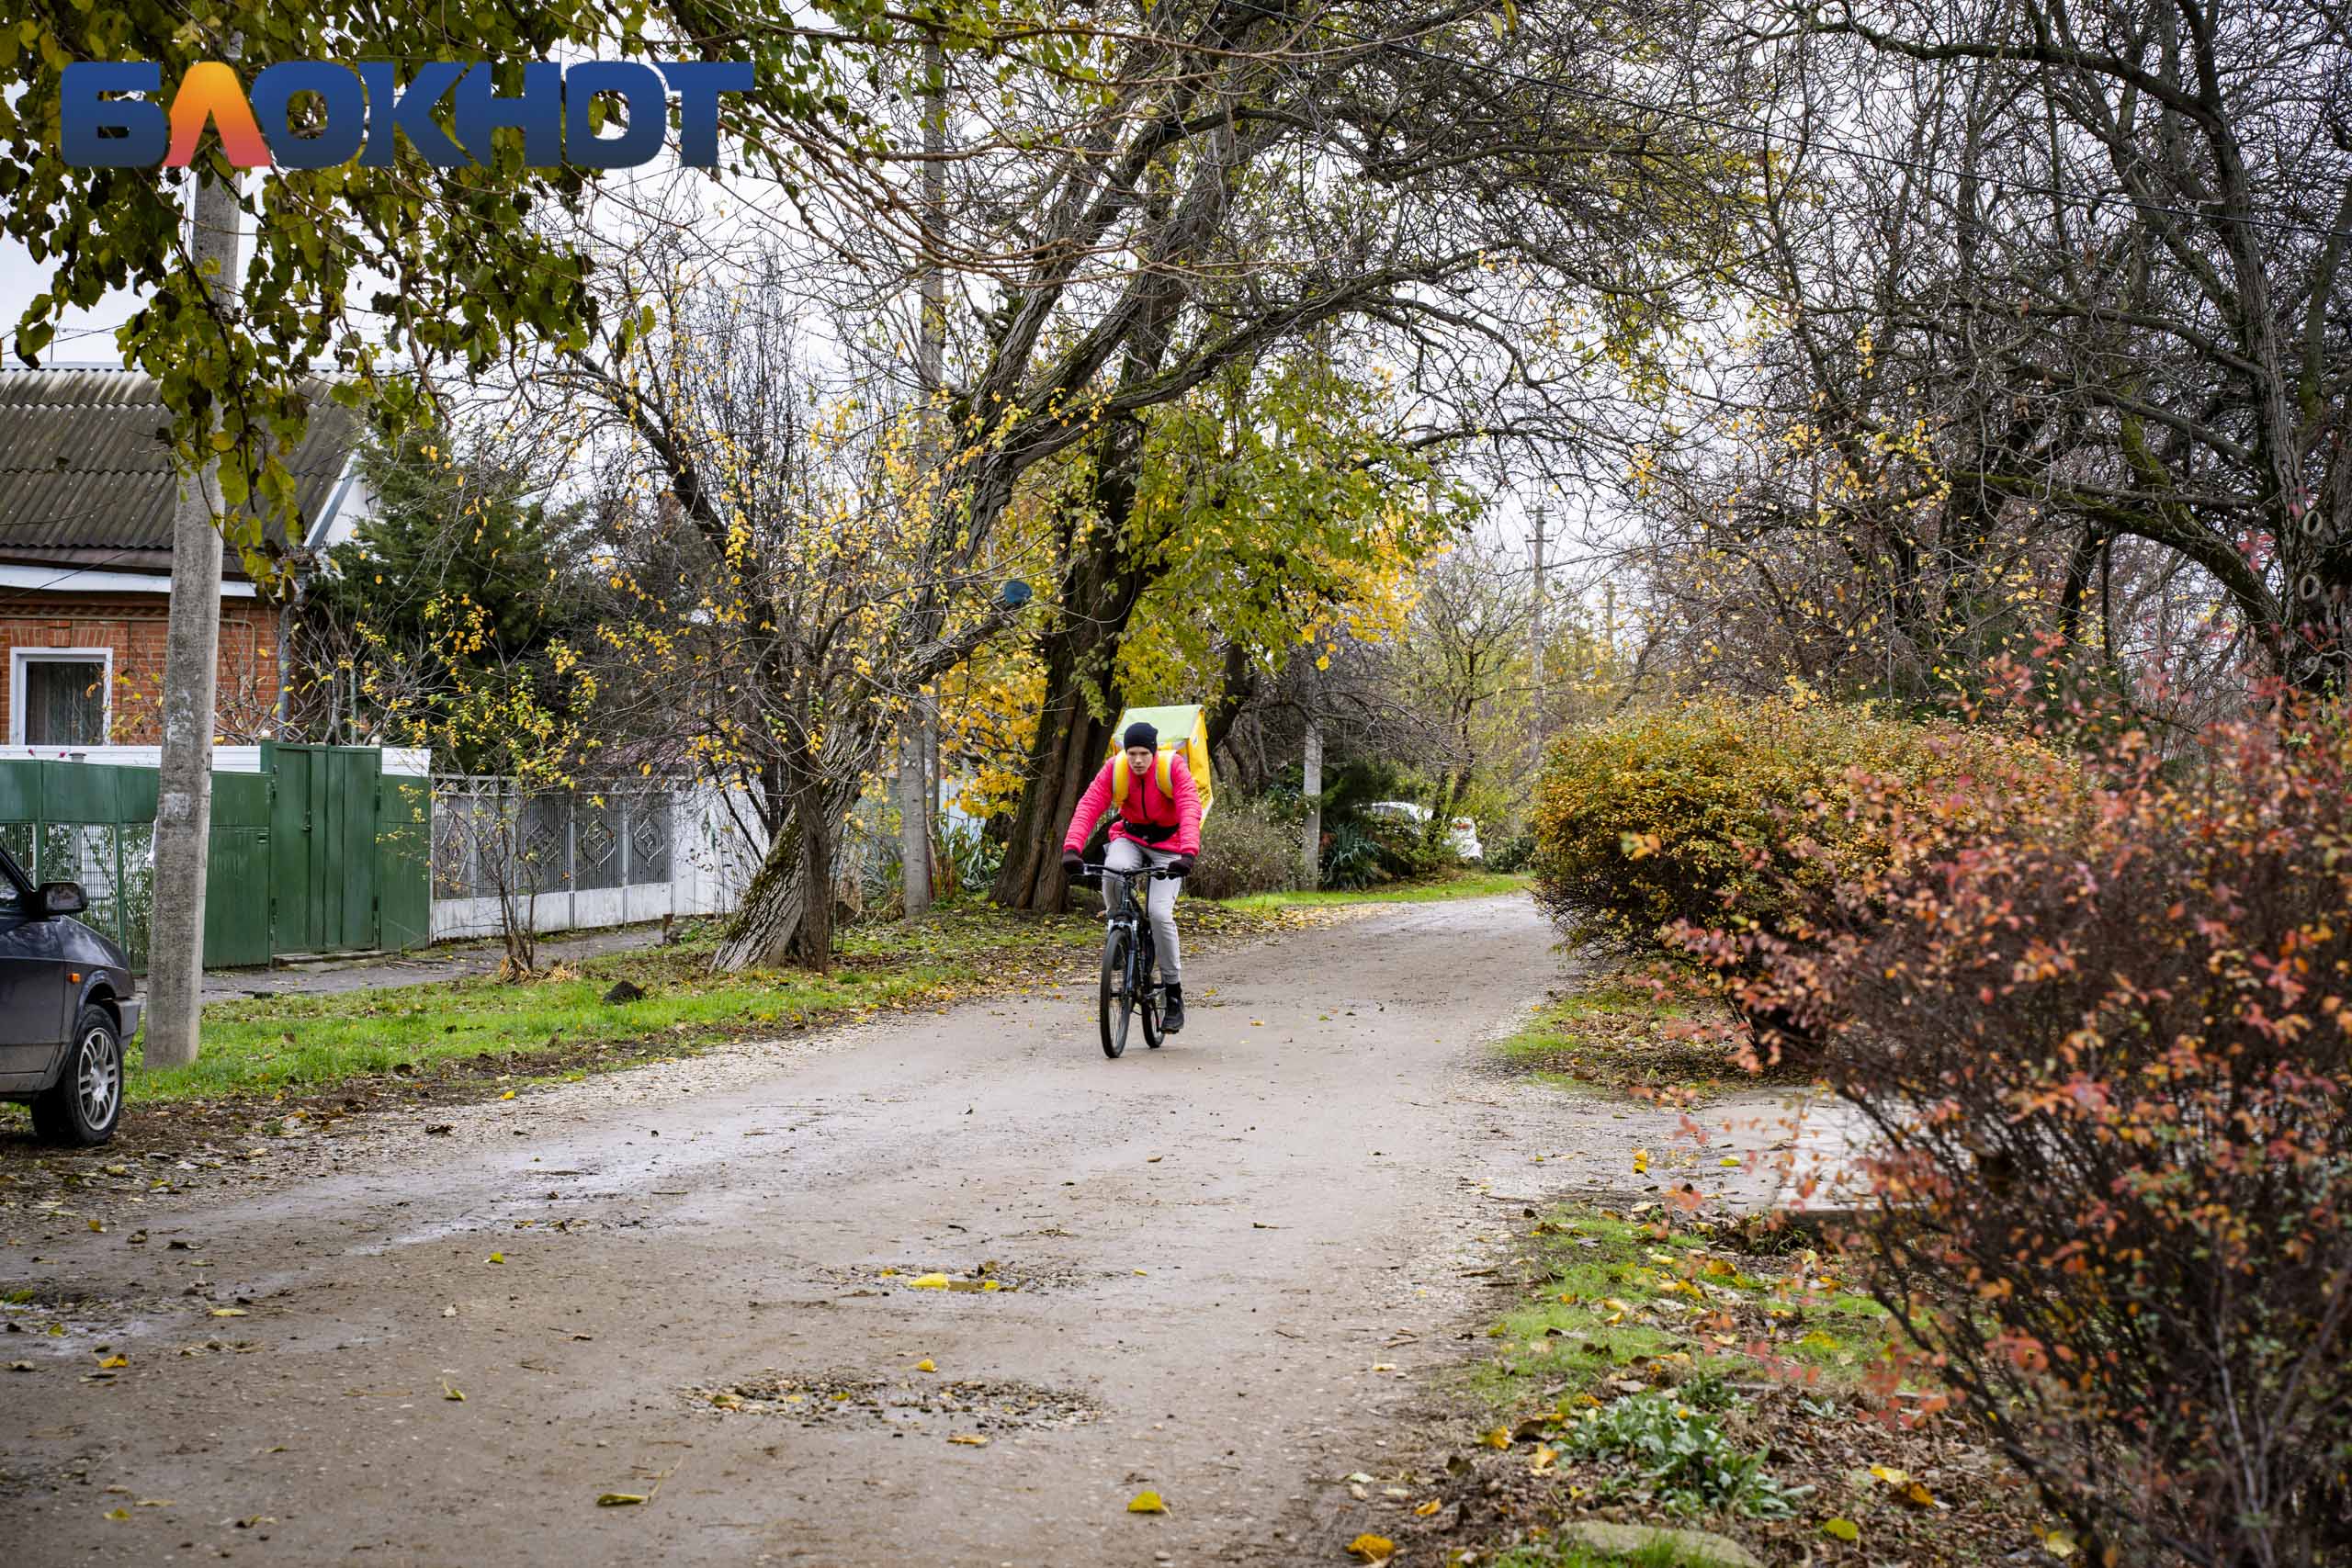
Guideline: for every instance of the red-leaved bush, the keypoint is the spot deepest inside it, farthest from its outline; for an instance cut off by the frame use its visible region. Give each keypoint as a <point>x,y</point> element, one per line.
<point>1748,814</point>
<point>2107,1048</point>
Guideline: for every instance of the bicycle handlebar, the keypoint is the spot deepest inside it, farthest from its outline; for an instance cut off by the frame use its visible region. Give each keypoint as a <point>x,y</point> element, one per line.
<point>1147,873</point>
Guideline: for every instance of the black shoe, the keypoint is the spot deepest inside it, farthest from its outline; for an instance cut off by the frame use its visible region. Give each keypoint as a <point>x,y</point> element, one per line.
<point>1172,1020</point>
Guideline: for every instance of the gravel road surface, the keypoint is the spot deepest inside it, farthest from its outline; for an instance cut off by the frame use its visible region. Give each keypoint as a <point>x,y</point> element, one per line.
<point>1224,1272</point>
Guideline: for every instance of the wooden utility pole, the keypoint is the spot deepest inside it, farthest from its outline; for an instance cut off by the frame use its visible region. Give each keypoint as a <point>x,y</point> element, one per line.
<point>918,782</point>
<point>191,676</point>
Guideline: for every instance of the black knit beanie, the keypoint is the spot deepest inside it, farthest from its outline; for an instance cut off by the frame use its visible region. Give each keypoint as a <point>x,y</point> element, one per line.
<point>1141,734</point>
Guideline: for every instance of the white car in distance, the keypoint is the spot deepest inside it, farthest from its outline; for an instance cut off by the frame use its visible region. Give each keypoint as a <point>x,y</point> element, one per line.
<point>1462,834</point>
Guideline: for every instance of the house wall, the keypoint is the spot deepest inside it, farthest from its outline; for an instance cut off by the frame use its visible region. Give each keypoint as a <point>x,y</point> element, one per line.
<point>132,625</point>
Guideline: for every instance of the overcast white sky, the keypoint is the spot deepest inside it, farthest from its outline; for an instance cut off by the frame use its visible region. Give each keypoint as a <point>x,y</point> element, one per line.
<point>20,279</point>
<point>85,336</point>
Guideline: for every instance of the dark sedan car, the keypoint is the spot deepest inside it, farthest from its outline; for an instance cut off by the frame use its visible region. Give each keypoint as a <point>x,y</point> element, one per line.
<point>66,1008</point>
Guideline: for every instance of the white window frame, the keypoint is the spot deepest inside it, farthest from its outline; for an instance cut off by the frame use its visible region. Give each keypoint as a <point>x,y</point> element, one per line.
<point>20,657</point>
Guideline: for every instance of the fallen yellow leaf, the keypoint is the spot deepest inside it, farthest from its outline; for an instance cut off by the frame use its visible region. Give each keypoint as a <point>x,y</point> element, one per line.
<point>1371,1549</point>
<point>969,1440</point>
<point>619,1499</point>
<point>1641,1161</point>
<point>228,1312</point>
<point>452,1394</point>
<point>495,1258</point>
<point>2059,1545</point>
<point>1893,1477</point>
<point>117,1513</point>
<point>1146,1503</point>
<point>1842,1529</point>
<point>113,1362</point>
<point>1426,1509</point>
<point>924,1365</point>
<point>1498,1439</point>
<point>929,1282</point>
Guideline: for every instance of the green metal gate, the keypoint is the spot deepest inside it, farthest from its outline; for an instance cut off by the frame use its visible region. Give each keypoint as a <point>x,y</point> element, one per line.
<point>318,853</point>
<point>236,876</point>
<point>322,832</point>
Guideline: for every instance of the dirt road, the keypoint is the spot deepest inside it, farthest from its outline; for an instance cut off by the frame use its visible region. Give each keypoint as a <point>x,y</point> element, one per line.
<point>1222,1270</point>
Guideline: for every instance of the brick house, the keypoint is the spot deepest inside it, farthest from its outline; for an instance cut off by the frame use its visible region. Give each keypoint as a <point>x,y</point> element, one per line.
<point>86,493</point>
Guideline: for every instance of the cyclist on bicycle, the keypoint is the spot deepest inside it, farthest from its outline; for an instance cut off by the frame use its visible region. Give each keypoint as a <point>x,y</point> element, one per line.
<point>1155,827</point>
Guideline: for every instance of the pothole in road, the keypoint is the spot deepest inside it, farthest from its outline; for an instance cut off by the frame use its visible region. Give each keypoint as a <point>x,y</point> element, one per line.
<point>983,1277</point>
<point>915,1404</point>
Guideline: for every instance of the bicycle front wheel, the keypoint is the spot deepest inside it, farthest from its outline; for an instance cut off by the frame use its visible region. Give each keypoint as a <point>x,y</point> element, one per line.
<point>1149,996</point>
<point>1118,1003</point>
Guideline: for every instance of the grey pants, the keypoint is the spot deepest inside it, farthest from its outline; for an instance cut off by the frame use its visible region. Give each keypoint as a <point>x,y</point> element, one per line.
<point>1159,900</point>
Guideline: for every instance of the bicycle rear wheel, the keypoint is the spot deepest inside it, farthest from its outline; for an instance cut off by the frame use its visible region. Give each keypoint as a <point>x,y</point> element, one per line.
<point>1118,1003</point>
<point>1149,1000</point>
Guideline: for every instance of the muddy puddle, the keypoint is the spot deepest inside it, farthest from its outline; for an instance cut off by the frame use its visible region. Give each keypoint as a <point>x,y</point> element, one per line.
<point>917,1402</point>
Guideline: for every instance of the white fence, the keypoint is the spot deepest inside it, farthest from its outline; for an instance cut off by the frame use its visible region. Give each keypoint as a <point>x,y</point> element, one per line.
<point>603,855</point>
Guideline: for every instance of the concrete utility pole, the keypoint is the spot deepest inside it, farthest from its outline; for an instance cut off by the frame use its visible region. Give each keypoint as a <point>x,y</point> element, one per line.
<point>1542,688</point>
<point>1310,785</point>
<point>1609,628</point>
<point>917,782</point>
<point>191,676</point>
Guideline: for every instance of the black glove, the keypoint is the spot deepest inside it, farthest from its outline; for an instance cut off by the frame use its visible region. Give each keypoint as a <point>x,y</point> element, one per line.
<point>1073,863</point>
<point>1180,866</point>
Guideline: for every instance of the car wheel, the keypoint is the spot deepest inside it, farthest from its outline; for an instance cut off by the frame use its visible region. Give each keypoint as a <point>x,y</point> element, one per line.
<point>84,1103</point>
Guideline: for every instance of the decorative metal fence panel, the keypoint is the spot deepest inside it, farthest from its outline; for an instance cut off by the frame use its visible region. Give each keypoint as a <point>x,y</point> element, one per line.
<point>599,855</point>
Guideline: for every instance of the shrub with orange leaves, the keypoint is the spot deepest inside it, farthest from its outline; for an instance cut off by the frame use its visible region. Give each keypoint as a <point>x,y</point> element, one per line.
<point>2106,1044</point>
<point>1706,832</point>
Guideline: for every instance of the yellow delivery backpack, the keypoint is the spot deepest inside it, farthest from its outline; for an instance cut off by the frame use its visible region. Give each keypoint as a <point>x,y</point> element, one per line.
<point>1186,727</point>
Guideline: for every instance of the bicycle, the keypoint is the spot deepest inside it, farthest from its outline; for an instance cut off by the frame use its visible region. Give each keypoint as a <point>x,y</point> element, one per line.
<point>1129,986</point>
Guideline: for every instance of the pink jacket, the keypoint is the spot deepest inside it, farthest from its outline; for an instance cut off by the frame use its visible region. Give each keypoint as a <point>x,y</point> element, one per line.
<point>1144,805</point>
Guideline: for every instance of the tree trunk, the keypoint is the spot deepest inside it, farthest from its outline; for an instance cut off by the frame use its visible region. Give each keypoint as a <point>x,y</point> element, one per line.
<point>1069,745</point>
<point>1440,831</point>
<point>1099,588</point>
<point>819,815</point>
<point>788,913</point>
<point>1234,692</point>
<point>762,932</point>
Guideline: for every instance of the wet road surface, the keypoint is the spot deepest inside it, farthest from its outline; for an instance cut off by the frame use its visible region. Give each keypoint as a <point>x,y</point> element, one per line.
<point>1222,1272</point>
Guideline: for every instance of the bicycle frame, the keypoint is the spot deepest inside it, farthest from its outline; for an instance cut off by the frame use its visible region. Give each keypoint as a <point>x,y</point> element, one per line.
<point>1128,911</point>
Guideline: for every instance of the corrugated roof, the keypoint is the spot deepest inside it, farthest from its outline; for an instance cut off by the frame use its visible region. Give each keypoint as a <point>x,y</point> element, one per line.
<point>86,473</point>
